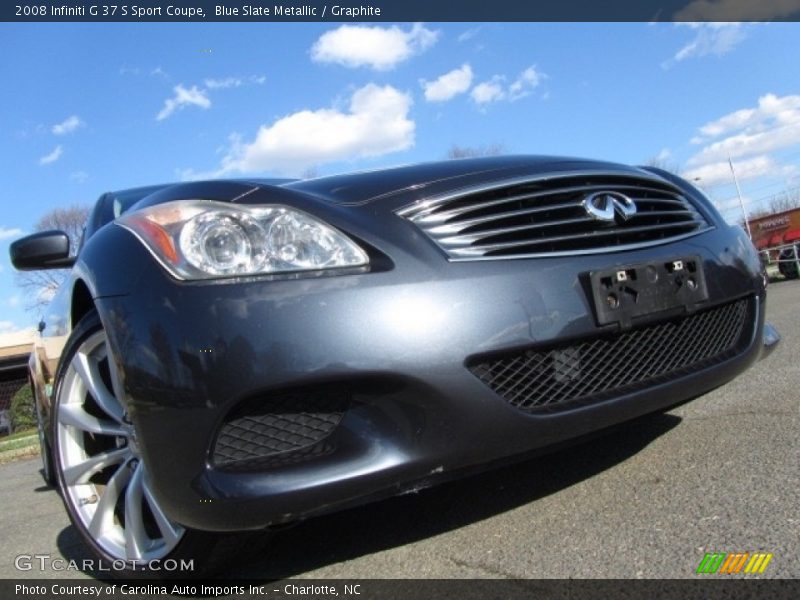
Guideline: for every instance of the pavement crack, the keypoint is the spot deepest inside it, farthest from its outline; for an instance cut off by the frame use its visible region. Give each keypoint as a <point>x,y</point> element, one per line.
<point>486,569</point>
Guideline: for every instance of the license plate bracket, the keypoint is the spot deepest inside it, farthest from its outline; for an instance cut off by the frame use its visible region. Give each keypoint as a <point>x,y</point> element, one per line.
<point>624,293</point>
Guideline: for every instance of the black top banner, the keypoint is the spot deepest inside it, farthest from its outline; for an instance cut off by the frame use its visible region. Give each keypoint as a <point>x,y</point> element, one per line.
<point>404,10</point>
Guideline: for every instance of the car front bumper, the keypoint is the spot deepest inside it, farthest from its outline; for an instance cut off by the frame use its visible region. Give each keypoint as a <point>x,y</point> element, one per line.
<point>398,342</point>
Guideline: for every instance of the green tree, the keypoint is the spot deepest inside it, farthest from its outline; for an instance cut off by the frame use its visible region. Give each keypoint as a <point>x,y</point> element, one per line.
<point>23,413</point>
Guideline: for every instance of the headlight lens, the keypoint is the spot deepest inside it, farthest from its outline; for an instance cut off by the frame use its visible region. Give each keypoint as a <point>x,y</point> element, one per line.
<point>201,239</point>
<point>223,243</point>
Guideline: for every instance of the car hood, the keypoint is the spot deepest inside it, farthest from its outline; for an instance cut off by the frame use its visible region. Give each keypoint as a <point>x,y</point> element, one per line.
<point>385,189</point>
<point>385,185</point>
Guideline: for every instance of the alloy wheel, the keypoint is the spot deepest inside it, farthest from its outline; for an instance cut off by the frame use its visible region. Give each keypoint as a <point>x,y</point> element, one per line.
<point>103,478</point>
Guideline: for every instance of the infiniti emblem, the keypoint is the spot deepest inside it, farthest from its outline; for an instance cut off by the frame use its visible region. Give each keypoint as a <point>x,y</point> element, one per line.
<point>603,205</point>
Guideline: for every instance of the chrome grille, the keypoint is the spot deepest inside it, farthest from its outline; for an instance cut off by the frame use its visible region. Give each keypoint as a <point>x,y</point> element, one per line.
<point>546,216</point>
<point>604,367</point>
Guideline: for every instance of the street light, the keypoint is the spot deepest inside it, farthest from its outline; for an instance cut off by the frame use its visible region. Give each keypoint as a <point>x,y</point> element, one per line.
<point>739,195</point>
<point>741,202</point>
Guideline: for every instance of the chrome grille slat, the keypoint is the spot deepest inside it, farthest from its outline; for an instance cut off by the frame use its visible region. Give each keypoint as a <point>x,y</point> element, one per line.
<point>430,216</point>
<point>457,226</point>
<point>669,201</point>
<point>470,238</point>
<point>560,238</point>
<point>428,206</point>
<point>662,213</point>
<point>461,227</point>
<point>546,216</point>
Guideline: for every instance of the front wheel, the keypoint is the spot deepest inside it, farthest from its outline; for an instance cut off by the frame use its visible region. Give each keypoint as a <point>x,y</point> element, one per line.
<point>100,472</point>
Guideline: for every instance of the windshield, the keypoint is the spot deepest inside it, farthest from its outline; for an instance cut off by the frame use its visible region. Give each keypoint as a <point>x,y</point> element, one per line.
<point>113,204</point>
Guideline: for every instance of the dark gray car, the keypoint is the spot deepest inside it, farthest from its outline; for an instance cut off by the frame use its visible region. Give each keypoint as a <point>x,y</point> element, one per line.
<point>239,355</point>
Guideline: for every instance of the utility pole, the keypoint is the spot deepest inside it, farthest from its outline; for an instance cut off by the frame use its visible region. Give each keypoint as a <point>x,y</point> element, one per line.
<point>741,202</point>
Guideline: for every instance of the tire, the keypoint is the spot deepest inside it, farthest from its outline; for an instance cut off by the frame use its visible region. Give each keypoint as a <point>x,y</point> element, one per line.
<point>46,452</point>
<point>104,481</point>
<point>788,269</point>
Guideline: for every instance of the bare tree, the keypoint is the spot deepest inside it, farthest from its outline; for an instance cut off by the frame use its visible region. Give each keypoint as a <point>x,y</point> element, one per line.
<point>786,200</point>
<point>311,172</point>
<point>39,286</point>
<point>457,151</point>
<point>780,202</point>
<point>756,213</point>
<point>665,164</point>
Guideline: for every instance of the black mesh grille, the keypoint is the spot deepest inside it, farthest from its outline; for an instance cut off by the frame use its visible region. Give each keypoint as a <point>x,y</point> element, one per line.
<point>605,367</point>
<point>281,429</point>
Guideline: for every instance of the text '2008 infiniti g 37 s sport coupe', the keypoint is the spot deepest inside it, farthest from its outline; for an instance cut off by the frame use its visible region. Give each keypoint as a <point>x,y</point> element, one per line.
<point>231,356</point>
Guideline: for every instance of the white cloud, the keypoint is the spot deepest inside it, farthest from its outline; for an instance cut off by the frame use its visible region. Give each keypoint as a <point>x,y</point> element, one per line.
<point>184,97</point>
<point>746,143</point>
<point>710,39</point>
<point>9,233</point>
<point>233,82</point>
<point>68,125</point>
<point>380,48</point>
<point>748,136</point>
<point>79,176</point>
<point>495,89</point>
<point>137,71</point>
<point>469,34</point>
<point>528,80</point>
<point>772,125</point>
<point>489,91</point>
<point>448,85</point>
<point>726,207</point>
<point>52,157</point>
<point>8,327</point>
<point>47,292</point>
<point>125,70</point>
<point>735,120</point>
<point>719,172</point>
<point>159,72</point>
<point>376,123</point>
<point>228,82</point>
<point>736,10</point>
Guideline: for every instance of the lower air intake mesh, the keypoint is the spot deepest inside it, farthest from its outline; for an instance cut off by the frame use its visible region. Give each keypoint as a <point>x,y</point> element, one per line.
<point>604,367</point>
<point>279,429</point>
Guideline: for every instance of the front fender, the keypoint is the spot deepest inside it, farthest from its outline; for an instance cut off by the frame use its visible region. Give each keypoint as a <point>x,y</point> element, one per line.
<point>111,262</point>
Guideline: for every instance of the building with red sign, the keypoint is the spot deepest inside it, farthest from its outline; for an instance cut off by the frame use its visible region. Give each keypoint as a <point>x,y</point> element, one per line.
<point>776,229</point>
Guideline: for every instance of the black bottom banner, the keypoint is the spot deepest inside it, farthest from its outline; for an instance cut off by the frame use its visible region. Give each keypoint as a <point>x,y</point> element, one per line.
<point>402,589</point>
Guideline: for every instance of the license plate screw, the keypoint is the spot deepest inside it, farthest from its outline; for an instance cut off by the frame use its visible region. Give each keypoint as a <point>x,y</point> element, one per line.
<point>622,276</point>
<point>612,301</point>
<point>677,265</point>
<point>691,283</point>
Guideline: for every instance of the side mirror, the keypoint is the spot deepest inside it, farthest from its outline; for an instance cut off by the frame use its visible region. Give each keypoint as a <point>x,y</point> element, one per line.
<point>43,250</point>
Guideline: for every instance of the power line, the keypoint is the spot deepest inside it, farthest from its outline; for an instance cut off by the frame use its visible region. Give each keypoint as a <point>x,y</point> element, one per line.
<point>758,189</point>
<point>752,200</point>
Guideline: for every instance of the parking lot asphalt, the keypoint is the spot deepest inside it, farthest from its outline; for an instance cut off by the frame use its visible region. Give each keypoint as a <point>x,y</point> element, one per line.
<point>648,500</point>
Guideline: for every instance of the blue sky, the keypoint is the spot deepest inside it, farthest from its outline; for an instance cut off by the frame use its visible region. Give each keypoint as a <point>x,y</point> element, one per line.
<point>88,108</point>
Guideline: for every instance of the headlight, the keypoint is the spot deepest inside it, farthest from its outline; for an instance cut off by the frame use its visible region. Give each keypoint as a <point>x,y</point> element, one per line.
<point>201,239</point>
